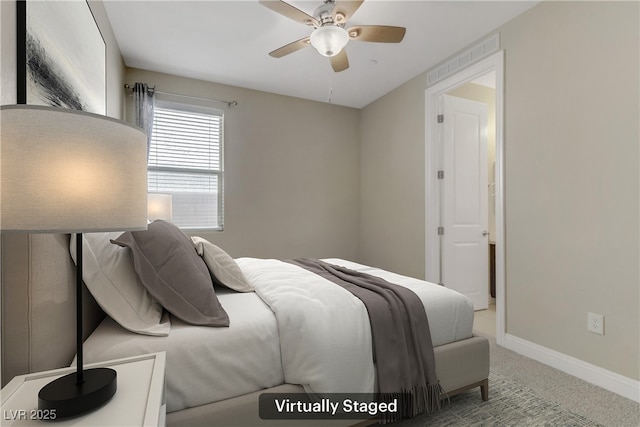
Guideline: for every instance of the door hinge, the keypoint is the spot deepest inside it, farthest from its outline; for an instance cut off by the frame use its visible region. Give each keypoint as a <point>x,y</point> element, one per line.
<point>440,118</point>
<point>440,231</point>
<point>440,174</point>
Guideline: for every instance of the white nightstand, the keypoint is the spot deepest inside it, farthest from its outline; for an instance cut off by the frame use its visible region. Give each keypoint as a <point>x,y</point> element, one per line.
<point>139,400</point>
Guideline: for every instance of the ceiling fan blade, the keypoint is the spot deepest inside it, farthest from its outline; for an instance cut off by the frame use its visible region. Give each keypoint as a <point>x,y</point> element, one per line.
<point>290,48</point>
<point>290,12</point>
<point>343,10</point>
<point>340,62</point>
<point>377,33</point>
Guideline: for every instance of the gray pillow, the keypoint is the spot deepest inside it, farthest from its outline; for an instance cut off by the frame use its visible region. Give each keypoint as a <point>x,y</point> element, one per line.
<point>224,269</point>
<point>167,263</point>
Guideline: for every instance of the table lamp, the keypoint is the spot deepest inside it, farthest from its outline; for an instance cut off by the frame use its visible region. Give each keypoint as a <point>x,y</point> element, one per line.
<point>159,206</point>
<point>67,171</point>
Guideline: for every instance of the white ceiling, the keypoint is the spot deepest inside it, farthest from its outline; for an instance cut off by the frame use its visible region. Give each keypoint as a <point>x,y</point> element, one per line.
<point>228,42</point>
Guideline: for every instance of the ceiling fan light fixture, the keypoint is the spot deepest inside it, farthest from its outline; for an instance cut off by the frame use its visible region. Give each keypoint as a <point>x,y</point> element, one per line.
<point>329,40</point>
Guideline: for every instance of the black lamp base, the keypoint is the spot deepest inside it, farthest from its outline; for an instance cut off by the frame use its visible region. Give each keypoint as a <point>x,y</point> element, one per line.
<point>68,399</point>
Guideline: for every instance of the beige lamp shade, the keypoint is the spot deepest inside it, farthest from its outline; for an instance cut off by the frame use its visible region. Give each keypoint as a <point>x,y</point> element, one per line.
<point>70,171</point>
<point>159,206</point>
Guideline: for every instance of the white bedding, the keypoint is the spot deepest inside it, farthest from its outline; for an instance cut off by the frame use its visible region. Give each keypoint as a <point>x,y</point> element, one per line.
<point>204,364</point>
<point>450,313</point>
<point>325,337</point>
<point>308,344</point>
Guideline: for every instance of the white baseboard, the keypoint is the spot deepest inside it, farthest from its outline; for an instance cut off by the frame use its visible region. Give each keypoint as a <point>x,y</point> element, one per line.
<point>593,374</point>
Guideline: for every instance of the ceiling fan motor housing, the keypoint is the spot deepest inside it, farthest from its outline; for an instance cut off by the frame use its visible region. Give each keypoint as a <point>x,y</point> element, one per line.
<point>324,14</point>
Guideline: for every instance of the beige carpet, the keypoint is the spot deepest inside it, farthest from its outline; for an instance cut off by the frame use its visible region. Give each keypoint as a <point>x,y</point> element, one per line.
<point>575,395</point>
<point>523,392</point>
<point>511,404</point>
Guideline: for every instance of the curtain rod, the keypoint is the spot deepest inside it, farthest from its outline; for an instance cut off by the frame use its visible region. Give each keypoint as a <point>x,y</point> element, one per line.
<point>153,90</point>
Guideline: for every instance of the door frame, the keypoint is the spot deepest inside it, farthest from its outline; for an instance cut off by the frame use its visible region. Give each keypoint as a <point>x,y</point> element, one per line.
<point>433,208</point>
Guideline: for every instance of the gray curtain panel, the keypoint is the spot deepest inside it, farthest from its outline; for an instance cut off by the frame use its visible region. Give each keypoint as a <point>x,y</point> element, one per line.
<point>144,102</point>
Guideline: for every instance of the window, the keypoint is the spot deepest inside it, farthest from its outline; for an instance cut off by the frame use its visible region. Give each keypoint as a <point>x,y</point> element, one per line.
<point>185,160</point>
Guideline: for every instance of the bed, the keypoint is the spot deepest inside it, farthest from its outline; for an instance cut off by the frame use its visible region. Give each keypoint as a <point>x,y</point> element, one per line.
<point>214,375</point>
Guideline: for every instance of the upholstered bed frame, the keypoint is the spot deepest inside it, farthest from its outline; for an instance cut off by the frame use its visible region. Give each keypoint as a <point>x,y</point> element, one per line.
<point>38,331</point>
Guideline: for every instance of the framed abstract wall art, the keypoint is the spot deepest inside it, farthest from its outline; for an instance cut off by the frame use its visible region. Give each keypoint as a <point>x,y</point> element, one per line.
<point>61,56</point>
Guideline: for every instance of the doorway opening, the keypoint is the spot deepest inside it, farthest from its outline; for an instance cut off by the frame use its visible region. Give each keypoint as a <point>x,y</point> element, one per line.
<point>482,254</point>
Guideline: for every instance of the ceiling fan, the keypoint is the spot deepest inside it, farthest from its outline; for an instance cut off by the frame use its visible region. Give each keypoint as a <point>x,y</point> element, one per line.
<point>329,35</point>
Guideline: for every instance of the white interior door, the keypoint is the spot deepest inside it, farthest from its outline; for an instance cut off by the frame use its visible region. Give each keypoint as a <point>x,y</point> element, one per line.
<point>465,242</point>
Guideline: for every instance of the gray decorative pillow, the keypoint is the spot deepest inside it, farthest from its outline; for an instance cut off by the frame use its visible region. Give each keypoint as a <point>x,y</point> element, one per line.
<point>166,261</point>
<point>224,269</point>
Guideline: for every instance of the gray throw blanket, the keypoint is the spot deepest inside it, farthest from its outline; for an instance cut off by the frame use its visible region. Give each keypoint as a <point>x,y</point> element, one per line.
<point>402,348</point>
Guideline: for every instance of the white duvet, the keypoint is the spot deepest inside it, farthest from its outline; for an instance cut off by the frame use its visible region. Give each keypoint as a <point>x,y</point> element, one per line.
<point>325,337</point>
<point>296,328</point>
<point>450,313</point>
<point>204,364</point>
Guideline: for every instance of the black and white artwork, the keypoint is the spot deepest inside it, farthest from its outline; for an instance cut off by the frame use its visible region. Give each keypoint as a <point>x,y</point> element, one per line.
<point>65,57</point>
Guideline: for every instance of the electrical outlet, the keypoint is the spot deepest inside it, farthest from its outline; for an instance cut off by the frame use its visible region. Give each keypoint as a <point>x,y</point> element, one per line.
<point>595,323</point>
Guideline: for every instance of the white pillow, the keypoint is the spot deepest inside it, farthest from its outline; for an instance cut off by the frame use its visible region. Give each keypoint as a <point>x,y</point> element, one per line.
<point>225,270</point>
<point>108,272</point>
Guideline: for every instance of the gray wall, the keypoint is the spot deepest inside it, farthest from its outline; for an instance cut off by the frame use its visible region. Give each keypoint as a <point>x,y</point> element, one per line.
<point>392,195</point>
<point>572,179</point>
<point>8,52</point>
<point>572,187</point>
<point>291,171</point>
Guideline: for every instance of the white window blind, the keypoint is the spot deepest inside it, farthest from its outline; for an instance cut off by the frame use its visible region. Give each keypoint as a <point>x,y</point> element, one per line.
<point>185,160</point>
